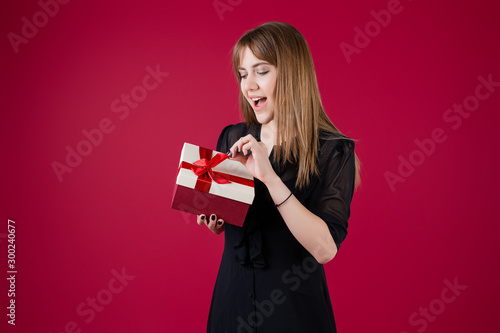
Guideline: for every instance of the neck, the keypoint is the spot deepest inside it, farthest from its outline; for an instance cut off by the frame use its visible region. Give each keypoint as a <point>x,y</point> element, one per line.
<point>268,135</point>
<point>268,132</point>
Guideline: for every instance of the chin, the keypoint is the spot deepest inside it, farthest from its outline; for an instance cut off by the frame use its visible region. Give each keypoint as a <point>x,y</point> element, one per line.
<point>263,118</point>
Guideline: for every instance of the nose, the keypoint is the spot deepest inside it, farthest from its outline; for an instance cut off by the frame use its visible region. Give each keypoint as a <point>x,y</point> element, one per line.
<point>249,84</point>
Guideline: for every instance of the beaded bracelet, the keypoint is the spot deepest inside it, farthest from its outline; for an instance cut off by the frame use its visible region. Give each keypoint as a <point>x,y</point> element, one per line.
<point>277,205</point>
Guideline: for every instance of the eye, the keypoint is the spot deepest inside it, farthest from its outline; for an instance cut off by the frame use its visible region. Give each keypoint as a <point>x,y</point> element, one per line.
<point>243,76</point>
<point>263,72</point>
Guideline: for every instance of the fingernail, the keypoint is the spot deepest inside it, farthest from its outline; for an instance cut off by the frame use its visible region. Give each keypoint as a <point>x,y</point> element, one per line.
<point>219,222</point>
<point>212,217</point>
<point>229,153</point>
<point>202,217</point>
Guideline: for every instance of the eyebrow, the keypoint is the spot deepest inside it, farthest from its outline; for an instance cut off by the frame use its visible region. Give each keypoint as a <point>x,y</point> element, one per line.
<point>255,65</point>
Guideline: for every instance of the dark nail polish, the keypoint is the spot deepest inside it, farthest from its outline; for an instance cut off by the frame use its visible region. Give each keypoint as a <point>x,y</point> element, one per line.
<point>229,153</point>
<point>202,217</point>
<point>219,222</point>
<point>212,217</point>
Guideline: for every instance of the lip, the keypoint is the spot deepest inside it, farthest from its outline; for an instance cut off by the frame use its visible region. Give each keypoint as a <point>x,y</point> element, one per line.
<point>261,104</point>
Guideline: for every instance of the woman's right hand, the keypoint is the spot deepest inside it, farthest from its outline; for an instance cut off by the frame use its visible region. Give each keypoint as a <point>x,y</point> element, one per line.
<point>214,224</point>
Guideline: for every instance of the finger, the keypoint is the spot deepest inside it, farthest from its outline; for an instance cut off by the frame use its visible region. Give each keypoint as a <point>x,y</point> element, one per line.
<point>238,145</point>
<point>247,149</point>
<point>233,150</point>
<point>248,143</point>
<point>220,224</point>
<point>239,158</point>
<point>200,219</point>
<point>211,222</point>
<point>248,138</point>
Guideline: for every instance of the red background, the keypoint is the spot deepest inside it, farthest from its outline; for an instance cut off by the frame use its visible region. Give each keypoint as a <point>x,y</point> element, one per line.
<point>112,211</point>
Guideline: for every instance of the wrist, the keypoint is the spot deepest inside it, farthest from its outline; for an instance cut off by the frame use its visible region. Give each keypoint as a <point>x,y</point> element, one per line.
<point>272,181</point>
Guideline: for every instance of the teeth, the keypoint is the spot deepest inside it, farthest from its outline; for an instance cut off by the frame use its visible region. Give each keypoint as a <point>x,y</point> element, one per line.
<point>256,99</point>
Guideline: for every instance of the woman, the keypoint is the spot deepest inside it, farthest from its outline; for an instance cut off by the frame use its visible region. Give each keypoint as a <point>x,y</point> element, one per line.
<point>271,277</point>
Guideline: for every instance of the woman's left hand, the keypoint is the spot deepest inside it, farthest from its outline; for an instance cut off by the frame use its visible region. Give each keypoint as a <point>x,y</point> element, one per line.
<point>257,163</point>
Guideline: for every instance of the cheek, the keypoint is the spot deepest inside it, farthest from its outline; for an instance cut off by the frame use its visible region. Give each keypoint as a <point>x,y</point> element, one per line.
<point>272,88</point>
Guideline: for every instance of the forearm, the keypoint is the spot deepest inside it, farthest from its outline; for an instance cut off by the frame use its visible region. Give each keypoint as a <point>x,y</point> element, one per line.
<point>309,229</point>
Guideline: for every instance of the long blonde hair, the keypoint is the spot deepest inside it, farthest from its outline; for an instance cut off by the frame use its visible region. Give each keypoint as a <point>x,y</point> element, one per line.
<point>299,113</point>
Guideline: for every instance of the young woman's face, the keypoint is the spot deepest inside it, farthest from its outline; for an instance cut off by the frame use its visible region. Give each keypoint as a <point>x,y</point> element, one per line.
<point>258,83</point>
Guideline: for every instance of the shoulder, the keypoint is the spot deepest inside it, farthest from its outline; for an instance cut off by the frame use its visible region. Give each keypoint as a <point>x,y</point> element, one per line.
<point>330,142</point>
<point>234,129</point>
<point>336,156</point>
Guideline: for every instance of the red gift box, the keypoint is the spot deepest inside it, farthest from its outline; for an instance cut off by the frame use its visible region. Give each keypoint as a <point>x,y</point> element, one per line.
<point>209,183</point>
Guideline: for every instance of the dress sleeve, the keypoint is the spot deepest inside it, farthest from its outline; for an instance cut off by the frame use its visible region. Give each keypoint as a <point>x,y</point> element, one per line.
<point>229,135</point>
<point>222,143</point>
<point>331,201</point>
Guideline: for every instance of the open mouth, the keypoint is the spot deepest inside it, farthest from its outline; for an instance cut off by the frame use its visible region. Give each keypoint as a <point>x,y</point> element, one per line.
<point>259,101</point>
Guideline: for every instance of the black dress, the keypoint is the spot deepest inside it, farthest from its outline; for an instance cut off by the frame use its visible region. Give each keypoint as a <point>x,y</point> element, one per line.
<point>267,281</point>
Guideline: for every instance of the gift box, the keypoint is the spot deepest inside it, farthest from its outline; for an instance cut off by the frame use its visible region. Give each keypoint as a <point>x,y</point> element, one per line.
<point>210,183</point>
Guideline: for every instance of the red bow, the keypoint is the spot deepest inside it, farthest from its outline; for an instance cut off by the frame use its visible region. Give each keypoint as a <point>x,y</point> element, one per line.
<point>203,169</point>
